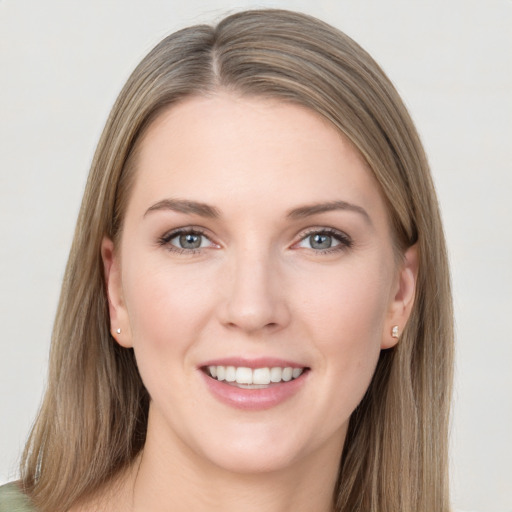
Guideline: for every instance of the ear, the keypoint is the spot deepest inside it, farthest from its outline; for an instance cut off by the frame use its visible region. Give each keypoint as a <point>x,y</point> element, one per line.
<point>116,305</point>
<point>402,298</point>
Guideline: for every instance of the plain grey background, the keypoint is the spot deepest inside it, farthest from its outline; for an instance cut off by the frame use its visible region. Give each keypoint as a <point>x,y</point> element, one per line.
<point>62,64</point>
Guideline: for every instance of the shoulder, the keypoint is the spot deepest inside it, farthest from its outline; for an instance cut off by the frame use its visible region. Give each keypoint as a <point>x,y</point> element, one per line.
<point>13,500</point>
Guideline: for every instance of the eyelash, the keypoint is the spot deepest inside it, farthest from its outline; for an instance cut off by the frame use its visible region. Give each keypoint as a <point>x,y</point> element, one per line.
<point>166,239</point>
<point>345,242</point>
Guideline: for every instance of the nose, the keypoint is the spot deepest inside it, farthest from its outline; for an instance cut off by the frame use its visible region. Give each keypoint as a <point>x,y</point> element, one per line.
<point>254,294</point>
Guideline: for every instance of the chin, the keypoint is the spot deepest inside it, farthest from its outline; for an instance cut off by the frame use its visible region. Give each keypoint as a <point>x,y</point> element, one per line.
<point>252,460</point>
<point>266,448</point>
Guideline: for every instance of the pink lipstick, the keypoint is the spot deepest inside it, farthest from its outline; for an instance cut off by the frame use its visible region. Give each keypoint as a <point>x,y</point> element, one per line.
<point>253,384</point>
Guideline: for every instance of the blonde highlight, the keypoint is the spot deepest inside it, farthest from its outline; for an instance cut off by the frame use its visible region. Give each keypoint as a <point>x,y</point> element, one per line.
<point>93,419</point>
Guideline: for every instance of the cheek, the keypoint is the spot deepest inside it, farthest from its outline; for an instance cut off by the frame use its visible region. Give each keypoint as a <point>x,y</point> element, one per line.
<point>345,319</point>
<point>349,305</point>
<point>166,308</point>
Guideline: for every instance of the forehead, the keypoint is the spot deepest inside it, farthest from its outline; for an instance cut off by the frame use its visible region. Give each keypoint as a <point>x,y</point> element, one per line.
<point>229,150</point>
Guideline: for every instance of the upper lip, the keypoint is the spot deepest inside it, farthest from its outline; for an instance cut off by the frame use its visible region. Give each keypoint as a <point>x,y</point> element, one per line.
<point>259,362</point>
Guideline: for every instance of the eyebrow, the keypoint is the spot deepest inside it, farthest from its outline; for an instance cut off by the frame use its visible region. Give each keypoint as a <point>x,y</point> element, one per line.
<point>185,206</point>
<point>314,209</point>
<point>206,210</point>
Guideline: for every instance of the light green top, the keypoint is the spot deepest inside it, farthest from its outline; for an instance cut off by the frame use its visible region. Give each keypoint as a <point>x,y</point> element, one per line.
<point>13,500</point>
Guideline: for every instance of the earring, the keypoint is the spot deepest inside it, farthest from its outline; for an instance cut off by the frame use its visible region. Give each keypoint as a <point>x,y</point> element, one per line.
<point>118,330</point>
<point>394,332</point>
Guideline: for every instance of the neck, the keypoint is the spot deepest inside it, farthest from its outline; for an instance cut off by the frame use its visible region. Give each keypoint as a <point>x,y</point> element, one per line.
<point>168,477</point>
<point>186,490</point>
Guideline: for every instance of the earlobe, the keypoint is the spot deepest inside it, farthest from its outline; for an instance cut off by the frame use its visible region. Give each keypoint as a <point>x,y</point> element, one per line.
<point>403,298</point>
<point>119,326</point>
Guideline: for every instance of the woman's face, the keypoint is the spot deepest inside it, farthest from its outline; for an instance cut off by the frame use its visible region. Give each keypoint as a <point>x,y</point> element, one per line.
<point>256,246</point>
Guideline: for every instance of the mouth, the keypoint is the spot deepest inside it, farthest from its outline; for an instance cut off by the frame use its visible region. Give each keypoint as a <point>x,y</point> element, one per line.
<point>254,384</point>
<point>253,378</point>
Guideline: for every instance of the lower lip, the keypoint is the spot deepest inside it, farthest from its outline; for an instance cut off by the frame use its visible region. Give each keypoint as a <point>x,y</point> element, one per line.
<point>254,399</point>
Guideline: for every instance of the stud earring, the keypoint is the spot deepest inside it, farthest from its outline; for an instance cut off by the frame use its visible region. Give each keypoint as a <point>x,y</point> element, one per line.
<point>394,332</point>
<point>118,330</point>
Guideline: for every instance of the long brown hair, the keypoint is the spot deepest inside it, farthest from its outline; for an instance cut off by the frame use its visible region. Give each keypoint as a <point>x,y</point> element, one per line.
<point>93,418</point>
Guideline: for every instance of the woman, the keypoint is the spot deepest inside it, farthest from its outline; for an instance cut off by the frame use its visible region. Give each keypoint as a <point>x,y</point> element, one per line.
<point>256,310</point>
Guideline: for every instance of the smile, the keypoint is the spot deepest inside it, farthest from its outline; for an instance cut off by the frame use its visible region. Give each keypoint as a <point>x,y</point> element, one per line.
<point>257,378</point>
<point>254,384</point>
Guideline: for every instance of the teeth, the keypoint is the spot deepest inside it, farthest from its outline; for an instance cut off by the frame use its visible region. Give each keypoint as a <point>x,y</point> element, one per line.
<point>261,376</point>
<point>243,376</point>
<point>257,377</point>
<point>287,374</point>
<point>276,374</point>
<point>230,374</point>
<point>221,372</point>
<point>296,372</point>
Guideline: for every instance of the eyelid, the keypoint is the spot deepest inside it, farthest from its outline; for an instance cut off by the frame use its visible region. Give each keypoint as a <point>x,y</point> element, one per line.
<point>345,241</point>
<point>165,239</point>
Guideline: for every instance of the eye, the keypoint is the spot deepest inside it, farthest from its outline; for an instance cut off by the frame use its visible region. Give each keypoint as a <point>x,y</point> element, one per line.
<point>188,241</point>
<point>185,240</point>
<point>321,241</point>
<point>325,240</point>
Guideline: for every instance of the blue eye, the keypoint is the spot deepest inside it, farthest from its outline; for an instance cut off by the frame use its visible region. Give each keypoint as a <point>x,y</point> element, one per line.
<point>325,240</point>
<point>185,240</point>
<point>322,241</point>
<point>188,241</point>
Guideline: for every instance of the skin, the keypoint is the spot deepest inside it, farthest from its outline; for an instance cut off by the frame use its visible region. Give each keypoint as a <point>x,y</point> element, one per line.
<point>257,287</point>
